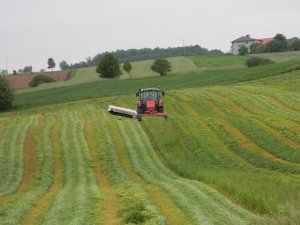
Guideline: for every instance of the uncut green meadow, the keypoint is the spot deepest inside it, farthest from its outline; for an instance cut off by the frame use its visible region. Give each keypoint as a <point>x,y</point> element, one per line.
<point>230,154</point>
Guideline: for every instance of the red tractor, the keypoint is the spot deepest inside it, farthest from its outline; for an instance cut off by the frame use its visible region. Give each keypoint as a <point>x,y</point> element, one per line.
<point>150,103</point>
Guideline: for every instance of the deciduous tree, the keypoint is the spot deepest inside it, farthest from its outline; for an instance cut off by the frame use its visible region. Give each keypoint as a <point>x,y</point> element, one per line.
<point>161,66</point>
<point>51,63</point>
<point>64,65</point>
<point>127,67</point>
<point>109,66</point>
<point>6,94</point>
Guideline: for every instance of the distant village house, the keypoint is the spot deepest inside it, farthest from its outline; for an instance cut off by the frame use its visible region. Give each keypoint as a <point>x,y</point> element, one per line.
<point>247,41</point>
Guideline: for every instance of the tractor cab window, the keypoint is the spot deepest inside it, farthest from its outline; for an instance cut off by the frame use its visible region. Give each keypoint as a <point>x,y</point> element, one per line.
<point>146,95</point>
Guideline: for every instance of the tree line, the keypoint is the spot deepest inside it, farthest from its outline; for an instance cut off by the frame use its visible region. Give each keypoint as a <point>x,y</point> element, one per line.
<point>142,54</point>
<point>279,44</point>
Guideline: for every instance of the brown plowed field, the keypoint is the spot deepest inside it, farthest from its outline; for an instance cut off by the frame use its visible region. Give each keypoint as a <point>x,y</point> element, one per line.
<point>22,80</point>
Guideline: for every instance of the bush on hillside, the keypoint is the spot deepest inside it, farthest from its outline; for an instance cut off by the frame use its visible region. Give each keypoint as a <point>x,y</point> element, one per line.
<point>257,61</point>
<point>40,79</point>
<point>6,94</point>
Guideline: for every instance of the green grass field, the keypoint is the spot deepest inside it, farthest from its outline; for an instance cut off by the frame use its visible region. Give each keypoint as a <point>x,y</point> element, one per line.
<point>230,154</point>
<point>281,56</point>
<point>216,61</point>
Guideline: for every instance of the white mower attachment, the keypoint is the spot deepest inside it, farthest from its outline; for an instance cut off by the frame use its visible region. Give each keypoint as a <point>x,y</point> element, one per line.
<point>115,110</point>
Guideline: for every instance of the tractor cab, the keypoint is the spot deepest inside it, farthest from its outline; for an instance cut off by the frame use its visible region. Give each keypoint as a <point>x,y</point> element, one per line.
<point>149,101</point>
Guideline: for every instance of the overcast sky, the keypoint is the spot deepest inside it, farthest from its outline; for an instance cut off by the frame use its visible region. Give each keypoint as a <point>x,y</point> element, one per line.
<point>31,31</point>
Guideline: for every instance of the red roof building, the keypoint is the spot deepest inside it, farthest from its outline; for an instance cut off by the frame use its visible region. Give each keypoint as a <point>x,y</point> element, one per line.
<point>264,40</point>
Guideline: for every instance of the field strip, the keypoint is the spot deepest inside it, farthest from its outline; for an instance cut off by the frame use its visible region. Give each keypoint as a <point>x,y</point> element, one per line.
<point>200,123</point>
<point>204,206</point>
<point>244,142</point>
<point>75,203</point>
<point>252,147</point>
<point>279,136</point>
<point>12,156</point>
<point>260,103</point>
<point>273,103</point>
<point>287,128</point>
<point>29,159</point>
<point>131,192</point>
<point>21,203</point>
<point>260,162</point>
<point>289,152</point>
<point>43,204</point>
<point>110,202</point>
<point>272,99</point>
<point>160,198</point>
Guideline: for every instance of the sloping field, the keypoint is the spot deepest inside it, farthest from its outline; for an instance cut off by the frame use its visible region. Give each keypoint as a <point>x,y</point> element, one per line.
<point>281,56</point>
<point>219,61</point>
<point>229,155</point>
<point>174,82</point>
<point>140,69</point>
<point>22,80</point>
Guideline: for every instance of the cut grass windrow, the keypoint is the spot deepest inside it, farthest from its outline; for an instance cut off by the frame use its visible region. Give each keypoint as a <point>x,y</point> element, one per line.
<point>135,202</point>
<point>75,203</point>
<point>11,155</point>
<point>15,211</point>
<point>163,201</point>
<point>110,202</point>
<point>43,203</point>
<point>253,154</point>
<point>257,134</point>
<point>203,204</point>
<point>250,152</point>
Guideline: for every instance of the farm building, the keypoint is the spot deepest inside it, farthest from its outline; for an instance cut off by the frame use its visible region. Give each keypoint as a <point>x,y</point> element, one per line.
<point>247,41</point>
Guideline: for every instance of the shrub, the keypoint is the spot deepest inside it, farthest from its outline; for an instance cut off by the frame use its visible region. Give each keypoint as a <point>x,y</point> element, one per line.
<point>257,61</point>
<point>6,94</point>
<point>243,50</point>
<point>40,79</point>
<point>258,48</point>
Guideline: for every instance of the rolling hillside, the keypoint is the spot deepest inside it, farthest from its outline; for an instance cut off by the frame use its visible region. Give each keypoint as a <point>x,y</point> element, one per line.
<point>140,69</point>
<point>230,154</point>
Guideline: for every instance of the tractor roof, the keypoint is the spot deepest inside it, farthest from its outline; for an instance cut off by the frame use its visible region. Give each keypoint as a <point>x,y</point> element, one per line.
<point>148,89</point>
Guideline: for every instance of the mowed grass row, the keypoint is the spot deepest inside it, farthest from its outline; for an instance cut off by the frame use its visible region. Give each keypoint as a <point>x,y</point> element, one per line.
<point>201,203</point>
<point>44,201</point>
<point>288,116</point>
<point>135,205</point>
<point>256,131</point>
<point>195,109</point>
<point>17,205</point>
<point>76,201</point>
<point>12,153</point>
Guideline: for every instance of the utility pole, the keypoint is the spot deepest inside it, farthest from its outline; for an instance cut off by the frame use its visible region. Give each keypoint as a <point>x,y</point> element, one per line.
<point>6,65</point>
<point>183,48</point>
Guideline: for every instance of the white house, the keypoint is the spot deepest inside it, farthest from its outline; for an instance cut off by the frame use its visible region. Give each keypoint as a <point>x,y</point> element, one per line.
<point>244,40</point>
